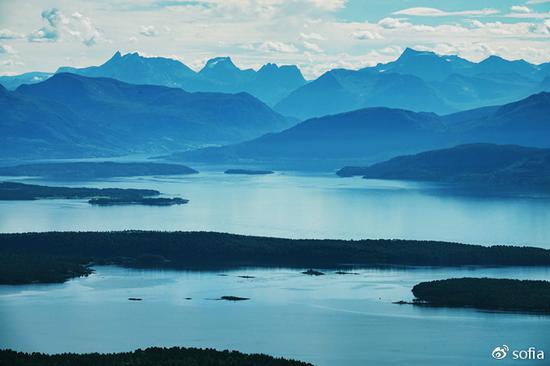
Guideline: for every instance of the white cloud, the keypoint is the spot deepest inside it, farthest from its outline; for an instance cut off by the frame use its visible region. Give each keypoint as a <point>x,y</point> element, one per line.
<point>6,49</point>
<point>538,2</point>
<point>330,5</point>
<point>312,47</point>
<point>520,9</point>
<point>366,35</point>
<point>10,62</point>
<point>8,34</point>
<point>433,12</point>
<point>83,29</point>
<point>58,24</point>
<point>50,32</point>
<point>529,15</point>
<point>149,31</point>
<point>315,36</point>
<point>274,46</point>
<point>255,32</point>
<point>392,23</point>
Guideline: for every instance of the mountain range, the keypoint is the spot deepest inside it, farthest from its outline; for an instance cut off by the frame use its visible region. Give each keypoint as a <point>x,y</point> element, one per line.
<point>416,80</point>
<point>269,84</point>
<point>12,82</point>
<point>473,163</point>
<point>374,134</point>
<point>71,115</point>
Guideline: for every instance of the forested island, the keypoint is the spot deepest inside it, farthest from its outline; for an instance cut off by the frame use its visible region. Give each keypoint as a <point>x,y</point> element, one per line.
<point>94,170</point>
<point>12,191</point>
<point>248,171</point>
<point>159,201</point>
<point>485,294</point>
<point>153,356</point>
<point>62,255</point>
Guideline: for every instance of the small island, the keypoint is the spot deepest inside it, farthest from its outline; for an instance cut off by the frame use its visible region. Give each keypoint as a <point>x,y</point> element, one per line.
<point>12,191</point>
<point>150,356</point>
<point>485,294</point>
<point>248,172</point>
<point>312,272</point>
<point>234,298</point>
<point>138,201</point>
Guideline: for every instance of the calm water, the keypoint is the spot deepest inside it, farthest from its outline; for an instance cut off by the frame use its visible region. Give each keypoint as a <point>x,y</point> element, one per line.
<point>329,320</point>
<point>298,206</point>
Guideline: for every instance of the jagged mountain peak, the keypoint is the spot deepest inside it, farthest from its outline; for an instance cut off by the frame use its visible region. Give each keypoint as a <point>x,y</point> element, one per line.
<point>217,62</point>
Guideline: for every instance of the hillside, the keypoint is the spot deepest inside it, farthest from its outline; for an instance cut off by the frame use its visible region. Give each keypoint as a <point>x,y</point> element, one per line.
<point>371,135</point>
<point>473,163</point>
<point>339,91</point>
<point>72,115</point>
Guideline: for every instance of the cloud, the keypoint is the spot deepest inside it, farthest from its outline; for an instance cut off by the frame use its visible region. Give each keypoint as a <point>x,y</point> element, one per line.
<point>538,2</point>
<point>274,46</point>
<point>520,9</point>
<point>8,34</point>
<point>366,35</point>
<point>50,32</point>
<point>312,47</point>
<point>83,29</point>
<point>10,62</point>
<point>528,15</point>
<point>258,31</point>
<point>330,5</point>
<point>7,50</point>
<point>58,24</point>
<point>149,31</point>
<point>315,36</point>
<point>433,12</point>
<point>392,23</point>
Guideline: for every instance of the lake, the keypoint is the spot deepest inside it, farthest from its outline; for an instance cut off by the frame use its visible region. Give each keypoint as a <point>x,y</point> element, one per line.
<point>327,320</point>
<point>298,206</point>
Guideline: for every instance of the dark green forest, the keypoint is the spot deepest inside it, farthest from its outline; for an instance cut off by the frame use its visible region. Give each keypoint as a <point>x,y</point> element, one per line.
<point>20,191</point>
<point>486,293</point>
<point>158,201</point>
<point>61,255</point>
<point>175,356</point>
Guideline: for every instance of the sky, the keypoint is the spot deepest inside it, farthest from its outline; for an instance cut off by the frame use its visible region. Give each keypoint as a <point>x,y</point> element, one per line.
<point>316,35</point>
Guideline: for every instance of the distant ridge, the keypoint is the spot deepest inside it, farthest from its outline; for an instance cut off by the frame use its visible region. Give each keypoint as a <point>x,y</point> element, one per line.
<point>218,75</point>
<point>375,134</point>
<point>448,82</point>
<point>73,115</point>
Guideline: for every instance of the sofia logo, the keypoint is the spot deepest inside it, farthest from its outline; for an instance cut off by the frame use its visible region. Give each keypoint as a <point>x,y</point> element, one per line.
<point>500,352</point>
